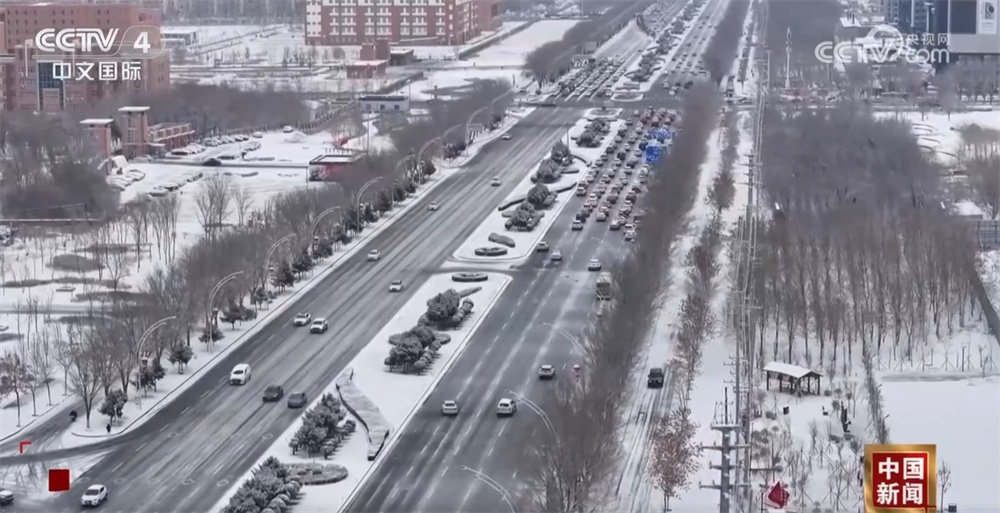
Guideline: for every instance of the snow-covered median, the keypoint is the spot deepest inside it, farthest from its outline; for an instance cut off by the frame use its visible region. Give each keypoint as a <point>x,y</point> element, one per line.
<point>137,410</point>
<point>396,395</point>
<point>493,242</point>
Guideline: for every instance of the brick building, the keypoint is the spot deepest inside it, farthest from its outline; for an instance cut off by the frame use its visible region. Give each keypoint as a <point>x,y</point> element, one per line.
<point>33,81</point>
<point>408,22</point>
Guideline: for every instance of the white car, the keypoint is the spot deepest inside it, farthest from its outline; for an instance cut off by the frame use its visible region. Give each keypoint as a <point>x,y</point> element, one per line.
<point>6,497</point>
<point>374,255</point>
<point>302,319</point>
<point>258,135</point>
<point>319,326</point>
<point>601,216</point>
<point>94,496</point>
<point>577,226</point>
<point>288,129</point>
<point>396,286</point>
<point>495,182</point>
<point>594,265</point>
<point>433,206</point>
<point>630,235</point>
<point>546,372</point>
<point>240,375</point>
<point>506,407</point>
<point>449,408</point>
<point>506,137</point>
<point>556,256</point>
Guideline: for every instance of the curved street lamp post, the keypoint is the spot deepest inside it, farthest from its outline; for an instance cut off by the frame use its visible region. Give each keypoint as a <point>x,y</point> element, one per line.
<point>211,319</point>
<point>357,201</point>
<point>480,476</point>
<point>146,335</point>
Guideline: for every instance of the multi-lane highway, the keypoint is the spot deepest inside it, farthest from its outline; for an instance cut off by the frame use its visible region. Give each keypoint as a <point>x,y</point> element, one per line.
<point>424,472</point>
<point>191,452</point>
<point>683,66</point>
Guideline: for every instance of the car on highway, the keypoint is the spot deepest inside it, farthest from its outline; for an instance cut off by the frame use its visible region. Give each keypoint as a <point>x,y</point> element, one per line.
<point>319,326</point>
<point>556,256</point>
<point>542,247</point>
<point>94,496</point>
<point>615,225</point>
<point>655,378</point>
<point>546,372</point>
<point>594,265</point>
<point>449,408</point>
<point>302,319</point>
<point>273,393</point>
<point>506,137</point>
<point>601,216</point>
<point>577,226</point>
<point>506,407</point>
<point>374,255</point>
<point>240,374</point>
<point>297,400</point>
<point>630,235</point>
<point>6,497</point>
<point>495,182</point>
<point>433,206</point>
<point>396,286</point>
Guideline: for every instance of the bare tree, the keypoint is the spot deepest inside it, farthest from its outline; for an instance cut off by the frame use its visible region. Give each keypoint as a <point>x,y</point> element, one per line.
<point>15,378</point>
<point>986,182</point>
<point>214,202</point>
<point>674,455</point>
<point>138,215</point>
<point>243,200</point>
<point>42,360</point>
<point>944,480</point>
<point>88,369</point>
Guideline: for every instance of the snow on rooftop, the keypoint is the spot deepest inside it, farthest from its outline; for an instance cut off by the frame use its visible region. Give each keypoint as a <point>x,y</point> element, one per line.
<point>787,369</point>
<point>97,121</point>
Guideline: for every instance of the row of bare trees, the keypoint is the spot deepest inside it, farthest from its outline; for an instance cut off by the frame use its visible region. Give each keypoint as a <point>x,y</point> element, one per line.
<point>49,168</point>
<point>570,470</point>
<point>549,61</point>
<point>857,250</point>
<point>240,232</point>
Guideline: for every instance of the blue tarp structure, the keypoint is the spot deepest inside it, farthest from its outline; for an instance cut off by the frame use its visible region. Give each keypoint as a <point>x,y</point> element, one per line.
<point>660,134</point>
<point>653,152</point>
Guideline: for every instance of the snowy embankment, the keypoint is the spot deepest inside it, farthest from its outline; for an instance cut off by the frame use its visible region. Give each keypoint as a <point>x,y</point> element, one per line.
<point>206,357</point>
<point>525,242</point>
<point>396,395</point>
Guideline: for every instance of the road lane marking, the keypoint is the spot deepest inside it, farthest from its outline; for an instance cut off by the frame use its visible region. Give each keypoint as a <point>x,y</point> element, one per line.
<point>143,446</point>
<point>164,428</point>
<point>187,481</point>
<point>185,410</point>
<point>209,391</point>
<point>222,482</point>
<point>410,471</point>
<point>444,471</point>
<point>219,468</point>
<point>118,466</point>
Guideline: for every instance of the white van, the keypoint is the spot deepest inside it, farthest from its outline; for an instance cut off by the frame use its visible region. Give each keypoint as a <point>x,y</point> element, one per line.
<point>240,374</point>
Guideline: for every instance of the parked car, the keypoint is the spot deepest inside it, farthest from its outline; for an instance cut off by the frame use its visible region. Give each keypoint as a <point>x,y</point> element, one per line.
<point>6,497</point>
<point>273,393</point>
<point>297,400</point>
<point>319,326</point>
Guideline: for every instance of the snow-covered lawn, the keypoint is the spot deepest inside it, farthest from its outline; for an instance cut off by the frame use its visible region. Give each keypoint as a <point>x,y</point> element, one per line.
<point>396,395</point>
<point>29,482</point>
<point>513,50</point>
<point>937,131</point>
<point>525,241</point>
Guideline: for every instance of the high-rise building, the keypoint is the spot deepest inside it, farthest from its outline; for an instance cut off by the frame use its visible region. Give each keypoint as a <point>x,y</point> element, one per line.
<point>36,80</point>
<point>408,22</point>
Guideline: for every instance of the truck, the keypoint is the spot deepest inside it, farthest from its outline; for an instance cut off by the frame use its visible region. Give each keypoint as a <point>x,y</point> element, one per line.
<point>604,286</point>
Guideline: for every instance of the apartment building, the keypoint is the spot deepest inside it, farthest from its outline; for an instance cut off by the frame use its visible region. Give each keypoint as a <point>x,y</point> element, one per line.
<point>47,82</point>
<point>408,22</point>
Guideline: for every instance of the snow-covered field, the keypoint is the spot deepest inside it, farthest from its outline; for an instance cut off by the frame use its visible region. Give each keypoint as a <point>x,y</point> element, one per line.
<point>512,51</point>
<point>525,241</point>
<point>937,131</point>
<point>396,395</point>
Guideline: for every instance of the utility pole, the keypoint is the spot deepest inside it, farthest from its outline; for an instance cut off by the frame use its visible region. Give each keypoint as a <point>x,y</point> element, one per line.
<point>726,486</point>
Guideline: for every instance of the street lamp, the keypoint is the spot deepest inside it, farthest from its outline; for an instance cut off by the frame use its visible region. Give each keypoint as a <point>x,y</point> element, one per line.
<point>315,222</point>
<point>420,154</point>
<point>271,250</point>
<point>497,487</point>
<point>493,103</point>
<point>357,201</point>
<point>209,318</point>
<point>146,335</point>
<point>405,160</point>
<point>444,136</point>
<point>468,123</point>
<point>537,410</point>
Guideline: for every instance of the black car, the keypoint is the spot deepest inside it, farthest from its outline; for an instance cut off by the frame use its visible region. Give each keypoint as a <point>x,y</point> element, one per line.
<point>655,378</point>
<point>273,393</point>
<point>6,497</point>
<point>297,400</point>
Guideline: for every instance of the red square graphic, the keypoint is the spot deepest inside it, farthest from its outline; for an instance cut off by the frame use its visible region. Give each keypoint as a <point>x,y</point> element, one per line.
<point>58,479</point>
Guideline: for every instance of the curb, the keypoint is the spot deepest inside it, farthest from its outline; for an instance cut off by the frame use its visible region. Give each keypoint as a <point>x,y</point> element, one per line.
<point>391,442</point>
<point>264,321</point>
